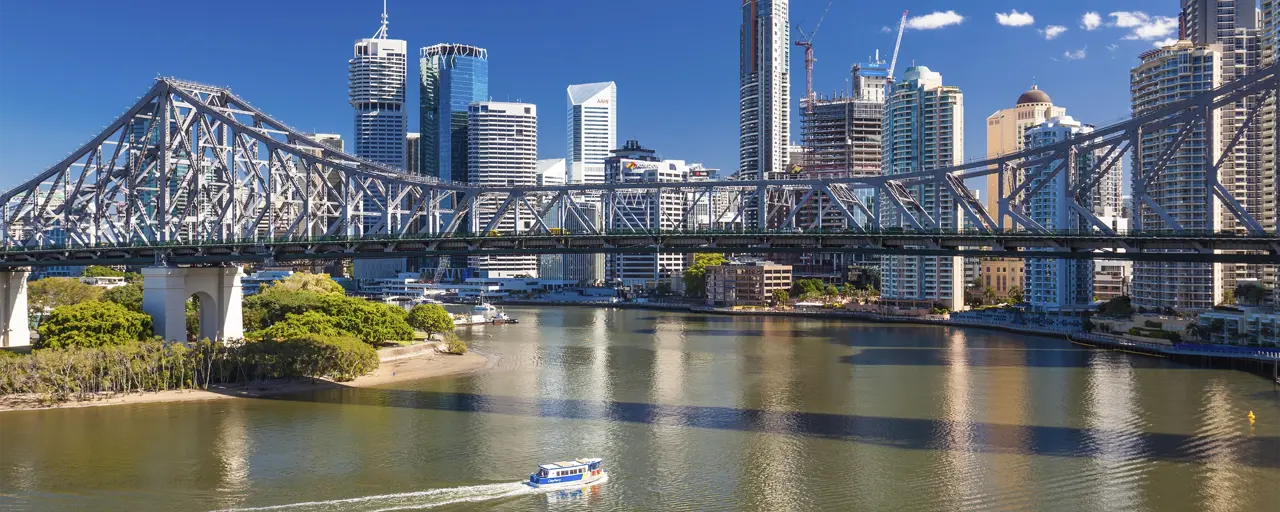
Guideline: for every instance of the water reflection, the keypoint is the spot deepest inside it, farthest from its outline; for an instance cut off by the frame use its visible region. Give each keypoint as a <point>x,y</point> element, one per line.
<point>1223,486</point>
<point>1120,466</point>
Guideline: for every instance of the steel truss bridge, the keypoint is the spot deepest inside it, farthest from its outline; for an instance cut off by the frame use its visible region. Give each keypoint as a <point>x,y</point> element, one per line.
<point>193,174</point>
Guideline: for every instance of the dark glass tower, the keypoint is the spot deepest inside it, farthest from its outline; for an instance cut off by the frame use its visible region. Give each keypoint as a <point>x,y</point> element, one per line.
<point>453,77</point>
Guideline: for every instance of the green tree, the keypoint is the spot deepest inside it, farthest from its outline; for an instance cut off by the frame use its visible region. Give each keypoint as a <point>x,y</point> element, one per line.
<point>319,283</point>
<point>1119,307</point>
<point>695,277</point>
<point>129,296</point>
<point>872,291</point>
<point>1229,297</point>
<point>807,288</point>
<point>54,292</point>
<point>372,322</point>
<point>989,295</point>
<point>831,291</point>
<point>430,318</point>
<point>1251,294</point>
<point>663,288</point>
<point>101,271</point>
<point>1015,294</point>
<point>92,324</point>
<point>781,297</point>
<point>294,326</point>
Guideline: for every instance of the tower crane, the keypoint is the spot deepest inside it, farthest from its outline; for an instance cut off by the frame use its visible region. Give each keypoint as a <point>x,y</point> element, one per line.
<point>893,63</point>
<point>806,42</point>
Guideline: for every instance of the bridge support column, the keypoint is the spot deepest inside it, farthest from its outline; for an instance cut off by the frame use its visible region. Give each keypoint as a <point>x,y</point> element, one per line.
<point>15,329</point>
<point>166,290</point>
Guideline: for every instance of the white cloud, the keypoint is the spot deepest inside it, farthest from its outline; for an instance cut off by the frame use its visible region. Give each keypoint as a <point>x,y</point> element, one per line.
<point>1091,20</point>
<point>1113,47</point>
<point>1167,42</point>
<point>935,20</point>
<point>1076,55</point>
<point>1144,26</point>
<point>1015,19</point>
<point>886,30</point>
<point>1053,31</point>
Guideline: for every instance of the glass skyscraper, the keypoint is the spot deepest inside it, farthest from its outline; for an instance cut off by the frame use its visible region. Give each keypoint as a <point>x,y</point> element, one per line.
<point>453,76</point>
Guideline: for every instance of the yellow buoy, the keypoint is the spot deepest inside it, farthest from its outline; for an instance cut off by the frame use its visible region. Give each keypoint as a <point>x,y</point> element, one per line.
<point>1251,417</point>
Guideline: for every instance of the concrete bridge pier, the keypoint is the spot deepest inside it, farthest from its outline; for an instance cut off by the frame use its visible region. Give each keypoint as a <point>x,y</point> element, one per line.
<point>15,329</point>
<point>165,291</point>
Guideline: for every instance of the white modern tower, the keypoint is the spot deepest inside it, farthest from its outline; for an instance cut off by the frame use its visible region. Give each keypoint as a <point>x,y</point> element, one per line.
<point>376,74</point>
<point>923,130</point>
<point>1056,284</point>
<point>377,85</point>
<point>1166,75</point>
<point>502,140</point>
<point>765,88</point>
<point>593,130</point>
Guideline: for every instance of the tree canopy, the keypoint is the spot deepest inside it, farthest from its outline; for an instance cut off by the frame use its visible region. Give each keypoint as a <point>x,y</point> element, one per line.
<point>92,324</point>
<point>101,271</point>
<point>305,282</point>
<point>372,322</point>
<point>430,318</point>
<point>1251,293</point>
<point>695,277</point>
<point>129,296</point>
<point>781,297</point>
<point>1119,307</point>
<point>53,292</point>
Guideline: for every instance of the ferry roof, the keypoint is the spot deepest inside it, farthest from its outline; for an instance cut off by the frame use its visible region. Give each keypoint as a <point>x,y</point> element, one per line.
<point>569,464</point>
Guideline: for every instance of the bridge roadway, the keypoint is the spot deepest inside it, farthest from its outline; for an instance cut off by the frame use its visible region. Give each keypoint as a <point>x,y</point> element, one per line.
<point>1185,247</point>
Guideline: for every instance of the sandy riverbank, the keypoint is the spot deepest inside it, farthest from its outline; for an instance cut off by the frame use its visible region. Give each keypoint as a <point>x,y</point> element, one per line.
<point>398,364</point>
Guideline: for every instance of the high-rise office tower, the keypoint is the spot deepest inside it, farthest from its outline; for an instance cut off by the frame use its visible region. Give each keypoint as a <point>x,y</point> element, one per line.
<point>502,140</point>
<point>1166,75</point>
<point>452,77</point>
<point>1006,133</point>
<point>593,130</point>
<point>377,82</point>
<point>376,73</point>
<point>644,210</point>
<point>765,88</point>
<point>923,130</point>
<point>412,150</point>
<point>1055,284</point>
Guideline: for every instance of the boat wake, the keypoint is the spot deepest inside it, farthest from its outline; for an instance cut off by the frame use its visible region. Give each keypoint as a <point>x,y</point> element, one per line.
<point>408,500</point>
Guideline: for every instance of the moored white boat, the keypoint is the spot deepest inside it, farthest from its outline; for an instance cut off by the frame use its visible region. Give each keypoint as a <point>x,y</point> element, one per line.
<point>569,473</point>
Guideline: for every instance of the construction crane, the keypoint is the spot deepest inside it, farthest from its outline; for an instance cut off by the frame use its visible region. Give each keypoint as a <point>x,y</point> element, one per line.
<point>893,63</point>
<point>806,42</point>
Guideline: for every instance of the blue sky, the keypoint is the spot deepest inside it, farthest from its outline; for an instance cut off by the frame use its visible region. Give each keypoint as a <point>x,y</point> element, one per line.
<point>68,67</point>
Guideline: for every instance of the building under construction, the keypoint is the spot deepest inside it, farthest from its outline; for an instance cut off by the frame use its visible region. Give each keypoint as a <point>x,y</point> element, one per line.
<point>840,139</point>
<point>841,135</point>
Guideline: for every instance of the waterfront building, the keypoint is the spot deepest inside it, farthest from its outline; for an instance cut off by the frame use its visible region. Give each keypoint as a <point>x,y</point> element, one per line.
<point>254,283</point>
<point>1269,152</point>
<point>451,78</point>
<point>377,81</point>
<point>1248,325</point>
<point>502,152</point>
<point>1169,74</point>
<point>1055,284</point>
<point>923,129</point>
<point>592,130</point>
<point>1111,279</point>
<point>644,210</point>
<point>746,284</point>
<point>765,88</point>
<point>412,152</point>
<point>1006,133</point>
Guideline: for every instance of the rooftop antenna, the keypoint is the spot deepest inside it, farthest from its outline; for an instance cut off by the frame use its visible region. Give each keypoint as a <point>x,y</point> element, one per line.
<point>382,32</point>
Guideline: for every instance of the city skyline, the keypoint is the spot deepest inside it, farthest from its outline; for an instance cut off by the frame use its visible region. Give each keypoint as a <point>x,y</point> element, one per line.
<point>706,131</point>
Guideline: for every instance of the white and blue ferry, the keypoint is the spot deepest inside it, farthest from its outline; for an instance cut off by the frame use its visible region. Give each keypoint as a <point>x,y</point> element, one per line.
<point>580,471</point>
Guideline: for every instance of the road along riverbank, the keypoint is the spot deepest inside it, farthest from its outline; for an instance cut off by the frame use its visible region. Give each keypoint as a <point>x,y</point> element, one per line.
<point>396,364</point>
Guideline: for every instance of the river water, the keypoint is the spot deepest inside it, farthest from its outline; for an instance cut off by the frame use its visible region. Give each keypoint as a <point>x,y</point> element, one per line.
<point>691,412</point>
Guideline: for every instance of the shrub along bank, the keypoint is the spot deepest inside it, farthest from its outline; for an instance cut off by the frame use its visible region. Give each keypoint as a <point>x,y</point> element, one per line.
<point>150,366</point>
